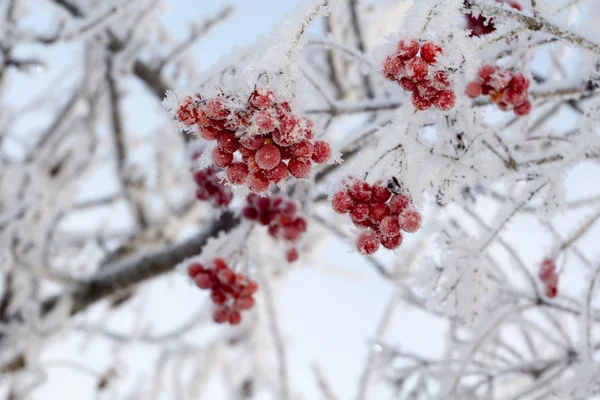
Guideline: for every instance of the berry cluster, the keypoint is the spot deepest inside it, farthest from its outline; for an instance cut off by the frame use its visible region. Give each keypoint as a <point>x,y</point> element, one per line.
<point>429,86</point>
<point>549,278</point>
<point>209,186</point>
<point>280,216</point>
<point>230,292</point>
<point>507,89</point>
<point>383,214</point>
<point>481,25</point>
<point>271,141</point>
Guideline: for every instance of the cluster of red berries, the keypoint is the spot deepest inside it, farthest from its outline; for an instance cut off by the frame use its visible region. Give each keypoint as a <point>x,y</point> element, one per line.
<point>280,216</point>
<point>230,292</point>
<point>481,25</point>
<point>209,186</point>
<point>507,89</point>
<point>264,132</point>
<point>383,214</point>
<point>549,278</point>
<point>429,86</point>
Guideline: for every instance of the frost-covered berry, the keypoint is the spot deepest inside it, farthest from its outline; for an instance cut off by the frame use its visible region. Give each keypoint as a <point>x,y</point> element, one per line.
<point>194,269</point>
<point>399,203</point>
<point>262,99</point>
<point>221,158</point>
<point>235,317</point>
<point>237,173</point>
<point>187,113</point>
<point>303,150</point>
<point>209,133</point>
<point>411,221</point>
<point>342,202</point>
<point>292,255</point>
<point>221,315</point>
<point>391,242</point>
<point>420,102</point>
<point>390,226</point>
<point>473,90</point>
<point>252,142</point>
<point>378,212</point>
<point>227,142</point>
<point>393,66</point>
<point>258,182</point>
<point>408,48</point>
<point>278,174</point>
<point>360,212</point>
<point>204,280</point>
<point>299,169</point>
<point>268,157</point>
<point>322,152</point>
<point>408,84</point>
<point>519,83</point>
<point>523,109</point>
<point>367,242</point>
<point>445,100</point>
<point>215,109</point>
<point>416,69</point>
<point>360,191</point>
<point>380,193</point>
<point>429,52</point>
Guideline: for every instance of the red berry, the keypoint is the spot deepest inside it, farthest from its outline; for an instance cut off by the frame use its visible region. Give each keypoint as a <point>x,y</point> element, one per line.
<point>378,212</point>
<point>222,198</point>
<point>221,158</point>
<point>237,173</point>
<point>292,255</point>
<point>264,122</point>
<point>426,90</point>
<point>209,133</point>
<point>547,269</point>
<point>204,280</point>
<point>215,109</point>
<point>408,84</point>
<point>221,315</point>
<point>393,67</point>
<point>440,80</point>
<point>194,269</point>
<point>244,303</point>
<point>187,113</point>
<point>322,152</point>
<point>258,182</point>
<point>277,174</point>
<point>252,142</point>
<point>262,99</point>
<point>299,168</point>
<point>303,150</point>
<point>390,226</point>
<point>513,97</point>
<point>408,48</point>
<point>342,202</point>
<point>391,242</point>
<point>250,213</point>
<point>380,193</point>
<point>486,72</point>
<point>420,102</point>
<point>523,109</point>
<point>218,296</point>
<point>219,264</point>
<point>519,83</point>
<point>359,212</point>
<point>227,142</point>
<point>367,242</point>
<point>300,224</point>
<point>429,52</point>
<point>416,69</point>
<point>249,289</point>
<point>445,100</point>
<point>268,157</point>
<point>473,90</point>
<point>235,318</point>
<point>246,151</point>
<point>551,291</point>
<point>399,204</point>
<point>411,221</point>
<point>226,276</point>
<point>286,152</point>
<point>499,80</point>
<point>360,191</point>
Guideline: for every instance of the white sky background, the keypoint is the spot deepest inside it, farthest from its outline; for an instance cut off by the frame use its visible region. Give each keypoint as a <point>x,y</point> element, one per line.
<point>328,308</point>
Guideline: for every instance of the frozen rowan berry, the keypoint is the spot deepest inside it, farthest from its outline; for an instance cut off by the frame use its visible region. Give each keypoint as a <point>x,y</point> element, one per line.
<point>300,224</point>
<point>411,221</point>
<point>221,315</point>
<point>226,276</point>
<point>322,152</point>
<point>486,72</point>
<point>250,213</point>
<point>367,242</point>
<point>237,173</point>
<point>499,80</point>
<point>246,151</point>
<point>287,134</point>
<point>342,202</point>
<point>299,168</point>
<point>360,191</point>
<point>252,142</point>
<point>215,109</point>
<point>380,193</point>
<point>551,291</point>
<point>519,83</point>
<point>426,90</point>
<point>227,142</point>
<point>391,242</point>
<point>523,109</point>
<point>547,269</point>
<point>222,198</point>
<point>303,150</point>
<point>408,84</point>
<point>399,204</point>
<point>204,280</point>
<point>244,303</point>
<point>440,80</point>
<point>268,157</point>
<point>264,122</point>
<point>291,234</point>
<point>219,264</point>
<point>235,318</point>
<point>292,255</point>
<point>429,52</point>
<point>408,48</point>
<point>249,289</point>
<point>258,182</point>
<point>221,158</point>
<point>218,296</point>
<point>378,212</point>
<point>513,97</point>
<point>390,226</point>
<point>445,100</point>
<point>194,269</point>
<point>251,163</point>
<point>286,152</point>
<point>416,69</point>
<point>359,212</point>
<point>187,113</point>
<point>262,99</point>
<point>393,67</point>
<point>209,133</point>
<point>473,90</point>
<point>277,174</point>
<point>420,102</point>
